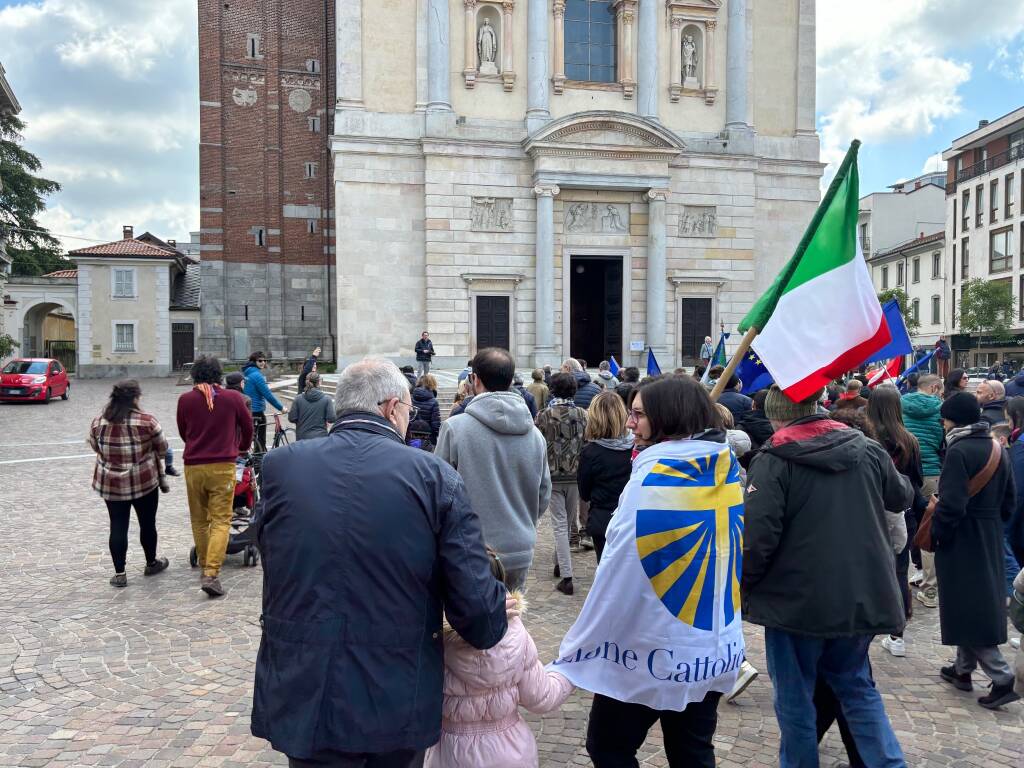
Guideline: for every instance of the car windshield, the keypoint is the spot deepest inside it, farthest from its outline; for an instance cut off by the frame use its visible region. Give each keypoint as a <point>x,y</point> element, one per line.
<point>26,366</point>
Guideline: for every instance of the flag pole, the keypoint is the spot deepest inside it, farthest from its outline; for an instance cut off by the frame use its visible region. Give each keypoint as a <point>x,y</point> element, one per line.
<point>734,363</point>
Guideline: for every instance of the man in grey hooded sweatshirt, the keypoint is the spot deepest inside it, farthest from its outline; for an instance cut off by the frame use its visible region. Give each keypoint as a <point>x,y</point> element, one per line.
<point>502,459</point>
<point>311,411</point>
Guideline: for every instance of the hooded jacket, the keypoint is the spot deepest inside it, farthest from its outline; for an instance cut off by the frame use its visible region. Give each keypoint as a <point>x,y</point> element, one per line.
<point>502,458</point>
<point>815,506</point>
<point>586,390</point>
<point>1015,386</point>
<point>310,413</point>
<point>307,368</point>
<point>483,691</point>
<point>757,426</point>
<point>739,405</point>
<point>430,411</point>
<point>605,380</point>
<point>994,412</point>
<point>922,419</point>
<point>257,389</point>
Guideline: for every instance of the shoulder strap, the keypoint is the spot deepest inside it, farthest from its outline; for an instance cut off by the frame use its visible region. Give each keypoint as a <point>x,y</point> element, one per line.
<point>981,479</point>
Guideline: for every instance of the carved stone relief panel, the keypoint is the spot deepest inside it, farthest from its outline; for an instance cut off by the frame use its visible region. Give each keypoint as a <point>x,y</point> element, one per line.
<point>491,214</point>
<point>244,97</point>
<point>603,218</point>
<point>698,221</point>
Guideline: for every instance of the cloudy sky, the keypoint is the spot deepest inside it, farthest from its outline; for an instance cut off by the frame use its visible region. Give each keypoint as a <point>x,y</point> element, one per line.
<point>109,90</point>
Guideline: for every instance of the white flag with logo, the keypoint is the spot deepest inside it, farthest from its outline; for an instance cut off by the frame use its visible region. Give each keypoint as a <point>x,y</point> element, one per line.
<point>661,625</point>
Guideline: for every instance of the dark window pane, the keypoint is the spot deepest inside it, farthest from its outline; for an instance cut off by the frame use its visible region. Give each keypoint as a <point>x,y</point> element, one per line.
<point>577,53</point>
<point>602,56</point>
<point>577,10</point>
<point>590,40</point>
<point>577,71</point>
<point>602,34</point>
<point>577,32</point>
<point>602,74</point>
<point>601,11</point>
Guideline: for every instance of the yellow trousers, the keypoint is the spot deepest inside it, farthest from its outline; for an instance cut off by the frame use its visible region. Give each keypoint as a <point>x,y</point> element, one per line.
<point>211,493</point>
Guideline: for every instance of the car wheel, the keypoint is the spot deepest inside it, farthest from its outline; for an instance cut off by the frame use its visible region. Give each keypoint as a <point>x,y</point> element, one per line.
<point>49,394</point>
<point>67,393</point>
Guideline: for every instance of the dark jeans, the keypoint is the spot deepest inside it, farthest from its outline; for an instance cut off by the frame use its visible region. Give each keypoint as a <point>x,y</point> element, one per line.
<point>903,566</point>
<point>403,758</point>
<point>597,526</point>
<point>795,663</point>
<point>617,730</point>
<point>259,424</point>
<point>120,515</point>
<point>827,706</point>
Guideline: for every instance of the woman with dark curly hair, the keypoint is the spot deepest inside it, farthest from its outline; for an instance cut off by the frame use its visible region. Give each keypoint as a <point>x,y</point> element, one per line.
<point>129,446</point>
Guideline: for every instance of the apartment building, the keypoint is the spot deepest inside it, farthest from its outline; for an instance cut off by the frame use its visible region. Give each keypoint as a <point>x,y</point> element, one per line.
<point>918,267</point>
<point>888,219</point>
<point>984,226</point>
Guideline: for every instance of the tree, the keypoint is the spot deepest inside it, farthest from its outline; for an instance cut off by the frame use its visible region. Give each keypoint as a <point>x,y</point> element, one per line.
<point>33,250</point>
<point>7,346</point>
<point>912,323</point>
<point>986,308</point>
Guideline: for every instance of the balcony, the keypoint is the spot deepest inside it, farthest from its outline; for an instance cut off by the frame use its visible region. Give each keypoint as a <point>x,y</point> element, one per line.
<point>1011,155</point>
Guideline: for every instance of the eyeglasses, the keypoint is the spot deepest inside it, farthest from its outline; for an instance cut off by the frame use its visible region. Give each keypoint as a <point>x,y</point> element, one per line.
<point>413,410</point>
<point>261,360</point>
<point>636,415</point>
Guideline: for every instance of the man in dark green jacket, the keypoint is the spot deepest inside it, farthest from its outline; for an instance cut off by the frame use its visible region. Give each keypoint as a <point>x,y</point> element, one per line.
<point>815,506</point>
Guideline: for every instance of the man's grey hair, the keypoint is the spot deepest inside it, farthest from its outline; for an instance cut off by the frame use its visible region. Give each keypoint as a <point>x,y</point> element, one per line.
<point>998,390</point>
<point>572,364</point>
<point>365,384</point>
<point>604,365</point>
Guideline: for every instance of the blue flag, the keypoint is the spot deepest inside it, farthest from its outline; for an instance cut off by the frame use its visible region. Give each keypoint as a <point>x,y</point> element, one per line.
<point>613,367</point>
<point>922,363</point>
<point>900,344</point>
<point>652,364</point>
<point>752,374</point>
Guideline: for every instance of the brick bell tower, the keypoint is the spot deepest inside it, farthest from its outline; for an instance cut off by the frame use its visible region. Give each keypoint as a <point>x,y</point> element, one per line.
<point>266,98</point>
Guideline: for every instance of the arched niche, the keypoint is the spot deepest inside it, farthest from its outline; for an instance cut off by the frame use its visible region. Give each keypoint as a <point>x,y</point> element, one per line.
<point>691,57</point>
<point>488,40</point>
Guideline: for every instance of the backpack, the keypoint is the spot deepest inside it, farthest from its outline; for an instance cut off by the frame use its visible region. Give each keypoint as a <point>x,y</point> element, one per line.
<point>563,427</point>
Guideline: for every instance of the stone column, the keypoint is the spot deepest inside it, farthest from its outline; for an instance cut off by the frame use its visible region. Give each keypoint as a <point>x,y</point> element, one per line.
<point>544,309</point>
<point>710,85</point>
<point>656,268</point>
<point>439,97</point>
<point>627,63</point>
<point>647,60</point>
<point>348,26</point>
<point>469,68</point>
<point>421,55</point>
<point>537,88</point>
<point>508,76</point>
<point>675,85</point>
<point>558,80</point>
<point>736,68</point>
<point>805,72</point>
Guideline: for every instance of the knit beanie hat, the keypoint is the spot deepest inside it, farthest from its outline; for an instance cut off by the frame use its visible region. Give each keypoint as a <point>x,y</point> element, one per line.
<point>961,408</point>
<point>778,406</point>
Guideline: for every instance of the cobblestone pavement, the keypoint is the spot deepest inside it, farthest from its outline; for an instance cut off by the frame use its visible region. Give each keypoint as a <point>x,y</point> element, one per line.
<point>158,675</point>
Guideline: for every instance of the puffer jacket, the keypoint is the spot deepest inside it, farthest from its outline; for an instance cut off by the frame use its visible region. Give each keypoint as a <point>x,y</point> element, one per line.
<point>430,411</point>
<point>258,390</point>
<point>1015,386</point>
<point>483,690</point>
<point>586,390</point>
<point>922,419</point>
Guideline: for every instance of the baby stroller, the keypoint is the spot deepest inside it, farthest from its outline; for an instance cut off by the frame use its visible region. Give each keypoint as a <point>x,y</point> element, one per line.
<point>242,537</point>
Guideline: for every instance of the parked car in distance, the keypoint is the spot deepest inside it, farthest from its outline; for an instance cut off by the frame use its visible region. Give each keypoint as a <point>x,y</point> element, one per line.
<point>34,379</point>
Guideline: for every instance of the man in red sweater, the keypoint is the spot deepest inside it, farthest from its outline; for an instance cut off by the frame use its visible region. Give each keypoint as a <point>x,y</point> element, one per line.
<point>216,426</point>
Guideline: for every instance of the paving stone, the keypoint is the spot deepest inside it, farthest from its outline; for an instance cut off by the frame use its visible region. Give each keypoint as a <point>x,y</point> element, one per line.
<point>158,675</point>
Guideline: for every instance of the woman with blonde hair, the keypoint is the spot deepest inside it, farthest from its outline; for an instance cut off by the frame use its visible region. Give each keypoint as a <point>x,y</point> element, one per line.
<point>605,463</point>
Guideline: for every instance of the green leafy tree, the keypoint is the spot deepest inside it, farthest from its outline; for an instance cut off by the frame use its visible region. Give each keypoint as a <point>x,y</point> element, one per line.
<point>7,346</point>
<point>986,308</point>
<point>32,249</point>
<point>912,323</point>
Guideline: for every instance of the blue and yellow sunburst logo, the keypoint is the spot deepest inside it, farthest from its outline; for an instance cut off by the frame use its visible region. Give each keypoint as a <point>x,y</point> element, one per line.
<point>689,535</point>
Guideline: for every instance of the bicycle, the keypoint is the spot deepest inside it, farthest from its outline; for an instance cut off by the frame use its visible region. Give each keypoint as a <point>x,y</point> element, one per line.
<point>280,433</point>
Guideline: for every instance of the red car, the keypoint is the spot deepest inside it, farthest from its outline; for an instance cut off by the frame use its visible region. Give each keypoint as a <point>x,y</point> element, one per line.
<point>34,378</point>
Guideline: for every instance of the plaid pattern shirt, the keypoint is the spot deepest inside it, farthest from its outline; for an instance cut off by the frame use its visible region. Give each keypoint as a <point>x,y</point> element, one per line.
<point>129,456</point>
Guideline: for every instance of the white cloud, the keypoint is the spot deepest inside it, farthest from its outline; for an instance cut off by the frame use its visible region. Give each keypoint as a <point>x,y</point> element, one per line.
<point>892,70</point>
<point>934,164</point>
<point>109,90</point>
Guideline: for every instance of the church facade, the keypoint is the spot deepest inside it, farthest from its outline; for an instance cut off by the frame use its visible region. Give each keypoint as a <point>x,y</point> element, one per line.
<point>566,177</point>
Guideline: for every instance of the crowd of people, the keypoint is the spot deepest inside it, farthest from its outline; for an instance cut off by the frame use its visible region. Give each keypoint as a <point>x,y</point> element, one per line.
<point>393,605</point>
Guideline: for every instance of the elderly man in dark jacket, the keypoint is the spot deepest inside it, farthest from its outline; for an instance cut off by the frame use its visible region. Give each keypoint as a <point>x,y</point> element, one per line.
<point>586,389</point>
<point>355,579</point>
<point>815,506</point>
<point>738,404</point>
<point>968,538</point>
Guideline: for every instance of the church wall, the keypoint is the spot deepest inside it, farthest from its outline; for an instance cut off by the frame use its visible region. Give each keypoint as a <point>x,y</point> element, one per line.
<point>389,55</point>
<point>488,99</point>
<point>775,61</point>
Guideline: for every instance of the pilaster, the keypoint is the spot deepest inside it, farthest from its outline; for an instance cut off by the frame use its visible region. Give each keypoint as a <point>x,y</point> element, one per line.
<point>538,109</point>
<point>657,237</point>
<point>736,69</point>
<point>348,15</point>
<point>438,56</point>
<point>647,64</point>
<point>544,346</point>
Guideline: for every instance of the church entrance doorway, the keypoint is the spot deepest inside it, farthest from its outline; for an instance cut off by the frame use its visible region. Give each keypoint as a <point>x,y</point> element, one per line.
<point>595,308</point>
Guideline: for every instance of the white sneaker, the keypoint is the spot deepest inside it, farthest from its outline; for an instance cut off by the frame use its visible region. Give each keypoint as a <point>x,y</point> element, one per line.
<point>917,577</point>
<point>894,645</point>
<point>747,675</point>
<point>1015,643</point>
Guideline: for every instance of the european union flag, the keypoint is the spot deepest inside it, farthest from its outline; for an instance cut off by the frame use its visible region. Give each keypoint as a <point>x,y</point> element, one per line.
<point>900,344</point>
<point>613,366</point>
<point>652,365</point>
<point>752,373</point>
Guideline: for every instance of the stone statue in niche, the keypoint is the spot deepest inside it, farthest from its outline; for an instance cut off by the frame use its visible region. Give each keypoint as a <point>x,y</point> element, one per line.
<point>487,49</point>
<point>699,221</point>
<point>690,62</point>
<point>605,218</point>
<point>491,214</point>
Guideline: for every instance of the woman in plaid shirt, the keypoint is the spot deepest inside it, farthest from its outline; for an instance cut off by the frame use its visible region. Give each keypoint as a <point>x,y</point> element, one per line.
<point>129,447</point>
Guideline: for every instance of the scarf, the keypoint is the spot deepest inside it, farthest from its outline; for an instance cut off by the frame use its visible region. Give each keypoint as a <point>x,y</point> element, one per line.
<point>971,429</point>
<point>209,393</point>
<point>623,443</point>
<point>849,395</point>
<point>559,401</point>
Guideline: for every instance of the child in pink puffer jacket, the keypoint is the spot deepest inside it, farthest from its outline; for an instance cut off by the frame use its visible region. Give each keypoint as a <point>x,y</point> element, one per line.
<point>481,726</point>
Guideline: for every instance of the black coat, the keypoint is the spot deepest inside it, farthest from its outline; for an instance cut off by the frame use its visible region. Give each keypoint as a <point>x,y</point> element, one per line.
<point>968,534</point>
<point>307,368</point>
<point>531,401</point>
<point>424,350</point>
<point>355,577</point>
<point>587,390</point>
<point>430,411</point>
<point>815,508</point>
<point>739,405</point>
<point>758,427</point>
<point>603,473</point>
<point>994,412</point>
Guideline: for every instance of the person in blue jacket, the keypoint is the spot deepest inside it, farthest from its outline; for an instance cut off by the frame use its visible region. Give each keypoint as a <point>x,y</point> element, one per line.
<point>357,578</point>
<point>258,390</point>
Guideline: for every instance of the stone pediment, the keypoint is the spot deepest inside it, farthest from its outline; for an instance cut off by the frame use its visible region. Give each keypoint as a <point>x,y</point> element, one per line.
<point>698,7</point>
<point>604,133</point>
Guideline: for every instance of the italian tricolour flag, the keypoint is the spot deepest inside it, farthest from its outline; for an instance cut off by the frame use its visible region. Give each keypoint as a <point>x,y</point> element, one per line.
<point>821,317</point>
